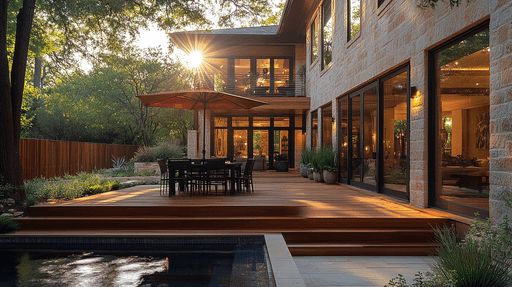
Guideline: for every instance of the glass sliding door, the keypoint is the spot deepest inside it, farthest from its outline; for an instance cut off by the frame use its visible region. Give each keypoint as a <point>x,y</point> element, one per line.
<point>395,134</point>
<point>327,126</point>
<point>355,143</point>
<point>460,117</point>
<point>369,151</point>
<point>343,139</point>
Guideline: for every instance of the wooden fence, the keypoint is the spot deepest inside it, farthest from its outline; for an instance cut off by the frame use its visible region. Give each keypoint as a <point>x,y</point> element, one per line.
<point>56,158</point>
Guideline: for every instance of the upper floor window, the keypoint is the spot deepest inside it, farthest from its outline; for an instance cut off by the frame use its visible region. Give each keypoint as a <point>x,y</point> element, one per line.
<point>315,38</point>
<point>380,2</point>
<point>327,32</point>
<point>354,19</point>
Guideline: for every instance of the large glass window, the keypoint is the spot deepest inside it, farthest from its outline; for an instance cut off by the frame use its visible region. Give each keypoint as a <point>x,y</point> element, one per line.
<point>354,18</point>
<point>356,138</point>
<point>315,38</point>
<point>242,76</point>
<point>394,135</point>
<point>282,76</point>
<point>263,76</point>
<point>216,71</point>
<point>343,124</point>
<point>314,130</point>
<point>240,143</point>
<point>461,121</point>
<point>327,126</point>
<point>370,136</point>
<point>327,33</point>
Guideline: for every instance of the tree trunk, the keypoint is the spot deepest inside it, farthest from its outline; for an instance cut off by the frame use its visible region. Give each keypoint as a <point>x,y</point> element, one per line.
<point>37,72</point>
<point>11,95</point>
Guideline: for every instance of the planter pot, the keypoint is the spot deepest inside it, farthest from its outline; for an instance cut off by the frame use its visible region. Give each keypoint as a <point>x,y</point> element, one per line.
<point>310,175</point>
<point>329,177</point>
<point>303,170</point>
<point>318,176</point>
<point>144,166</point>
<point>281,166</point>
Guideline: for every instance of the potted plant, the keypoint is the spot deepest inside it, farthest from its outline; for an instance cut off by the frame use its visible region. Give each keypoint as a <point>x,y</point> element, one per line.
<point>281,162</point>
<point>328,164</point>
<point>305,159</point>
<point>316,166</point>
<point>310,172</point>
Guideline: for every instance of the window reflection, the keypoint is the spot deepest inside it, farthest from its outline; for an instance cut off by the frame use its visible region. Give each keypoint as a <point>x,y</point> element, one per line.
<point>314,130</point>
<point>462,120</point>
<point>327,33</point>
<point>370,136</point>
<point>315,38</point>
<point>395,132</point>
<point>354,21</point>
<point>327,126</point>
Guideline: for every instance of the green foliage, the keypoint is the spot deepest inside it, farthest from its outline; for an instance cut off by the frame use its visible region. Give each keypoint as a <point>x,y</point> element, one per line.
<point>101,106</point>
<point>119,163</point>
<point>433,3</point>
<point>472,260</point>
<point>324,158</point>
<point>164,149</point>
<point>482,258</point>
<point>78,186</point>
<point>305,157</point>
<point>7,224</point>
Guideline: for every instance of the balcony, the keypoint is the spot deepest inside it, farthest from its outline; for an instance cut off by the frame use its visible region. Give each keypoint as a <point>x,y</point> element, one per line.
<point>263,85</point>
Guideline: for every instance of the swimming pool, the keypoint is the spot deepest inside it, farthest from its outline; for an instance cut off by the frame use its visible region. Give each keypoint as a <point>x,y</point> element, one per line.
<point>136,261</point>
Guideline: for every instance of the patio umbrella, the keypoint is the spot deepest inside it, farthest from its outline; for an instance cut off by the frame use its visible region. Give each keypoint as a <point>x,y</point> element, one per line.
<point>201,99</point>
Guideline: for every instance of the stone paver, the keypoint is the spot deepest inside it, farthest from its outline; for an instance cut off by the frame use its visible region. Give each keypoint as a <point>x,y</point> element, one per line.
<point>359,270</point>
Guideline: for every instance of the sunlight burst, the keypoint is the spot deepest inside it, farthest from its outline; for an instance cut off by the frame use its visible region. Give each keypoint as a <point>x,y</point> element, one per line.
<point>194,59</point>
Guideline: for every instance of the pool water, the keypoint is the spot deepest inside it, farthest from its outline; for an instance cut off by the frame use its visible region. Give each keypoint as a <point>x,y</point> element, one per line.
<point>245,267</point>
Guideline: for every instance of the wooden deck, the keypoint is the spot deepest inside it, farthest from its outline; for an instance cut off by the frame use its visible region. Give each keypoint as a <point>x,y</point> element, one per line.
<point>314,218</point>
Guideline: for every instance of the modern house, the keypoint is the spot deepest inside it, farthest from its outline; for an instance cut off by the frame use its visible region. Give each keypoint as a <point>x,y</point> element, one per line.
<point>417,102</point>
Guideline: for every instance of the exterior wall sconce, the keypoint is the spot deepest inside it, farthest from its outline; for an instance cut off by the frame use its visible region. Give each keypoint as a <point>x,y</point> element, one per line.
<point>413,92</point>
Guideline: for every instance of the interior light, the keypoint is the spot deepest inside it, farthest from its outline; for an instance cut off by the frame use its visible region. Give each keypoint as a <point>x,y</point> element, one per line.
<point>456,63</point>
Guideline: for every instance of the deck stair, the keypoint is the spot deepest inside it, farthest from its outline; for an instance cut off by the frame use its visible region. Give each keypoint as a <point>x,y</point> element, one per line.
<point>304,235</point>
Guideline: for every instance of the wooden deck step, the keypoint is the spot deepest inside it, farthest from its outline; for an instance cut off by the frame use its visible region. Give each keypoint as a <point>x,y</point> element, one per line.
<point>398,249</point>
<point>241,210</point>
<point>224,223</point>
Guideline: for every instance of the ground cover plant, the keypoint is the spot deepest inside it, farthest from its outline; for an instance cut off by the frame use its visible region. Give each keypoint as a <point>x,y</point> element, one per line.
<point>70,187</point>
<point>7,224</point>
<point>482,258</point>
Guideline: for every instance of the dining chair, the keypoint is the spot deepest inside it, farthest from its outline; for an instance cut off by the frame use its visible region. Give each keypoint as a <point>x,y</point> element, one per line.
<point>164,176</point>
<point>245,180</point>
<point>179,172</point>
<point>215,174</point>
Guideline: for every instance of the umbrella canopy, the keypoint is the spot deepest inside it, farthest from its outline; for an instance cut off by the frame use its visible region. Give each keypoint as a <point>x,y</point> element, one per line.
<point>202,99</point>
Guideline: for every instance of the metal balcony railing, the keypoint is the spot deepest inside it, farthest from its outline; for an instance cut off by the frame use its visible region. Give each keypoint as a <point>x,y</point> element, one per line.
<point>263,85</point>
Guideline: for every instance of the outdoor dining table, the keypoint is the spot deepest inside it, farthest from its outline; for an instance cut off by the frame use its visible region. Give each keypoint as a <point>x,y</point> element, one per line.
<point>234,171</point>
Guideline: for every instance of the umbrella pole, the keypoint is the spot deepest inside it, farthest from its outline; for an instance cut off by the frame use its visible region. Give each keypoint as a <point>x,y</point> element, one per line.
<point>204,130</point>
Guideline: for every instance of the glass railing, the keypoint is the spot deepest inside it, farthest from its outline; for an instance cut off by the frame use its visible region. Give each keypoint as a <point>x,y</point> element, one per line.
<point>263,85</point>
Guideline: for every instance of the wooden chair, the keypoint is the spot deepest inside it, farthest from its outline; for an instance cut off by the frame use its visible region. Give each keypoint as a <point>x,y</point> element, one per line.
<point>164,176</point>
<point>245,180</point>
<point>215,173</point>
<point>179,171</point>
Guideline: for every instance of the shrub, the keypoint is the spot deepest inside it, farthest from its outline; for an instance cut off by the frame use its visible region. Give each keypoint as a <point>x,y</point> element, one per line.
<point>471,261</point>
<point>324,158</point>
<point>7,224</point>
<point>305,157</point>
<point>164,149</point>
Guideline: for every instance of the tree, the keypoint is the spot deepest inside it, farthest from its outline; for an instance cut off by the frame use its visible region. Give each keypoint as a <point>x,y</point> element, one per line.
<point>85,26</point>
<point>100,106</point>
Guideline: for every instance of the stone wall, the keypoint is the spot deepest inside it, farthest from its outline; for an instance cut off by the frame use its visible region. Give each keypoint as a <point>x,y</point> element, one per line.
<point>501,107</point>
<point>398,33</point>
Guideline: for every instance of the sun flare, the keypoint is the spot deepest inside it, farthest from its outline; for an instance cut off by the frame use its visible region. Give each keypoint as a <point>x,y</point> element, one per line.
<point>194,59</point>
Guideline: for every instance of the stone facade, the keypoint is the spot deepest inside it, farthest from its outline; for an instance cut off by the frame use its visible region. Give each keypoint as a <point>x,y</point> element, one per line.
<point>399,32</point>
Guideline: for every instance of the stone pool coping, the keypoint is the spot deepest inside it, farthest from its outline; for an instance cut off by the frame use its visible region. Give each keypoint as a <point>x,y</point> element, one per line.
<point>283,266</point>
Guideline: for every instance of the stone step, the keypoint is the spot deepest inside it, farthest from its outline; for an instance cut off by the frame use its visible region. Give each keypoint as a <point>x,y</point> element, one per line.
<point>358,236</point>
<point>376,249</point>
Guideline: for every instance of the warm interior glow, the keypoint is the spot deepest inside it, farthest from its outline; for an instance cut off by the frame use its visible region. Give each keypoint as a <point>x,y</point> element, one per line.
<point>194,59</point>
